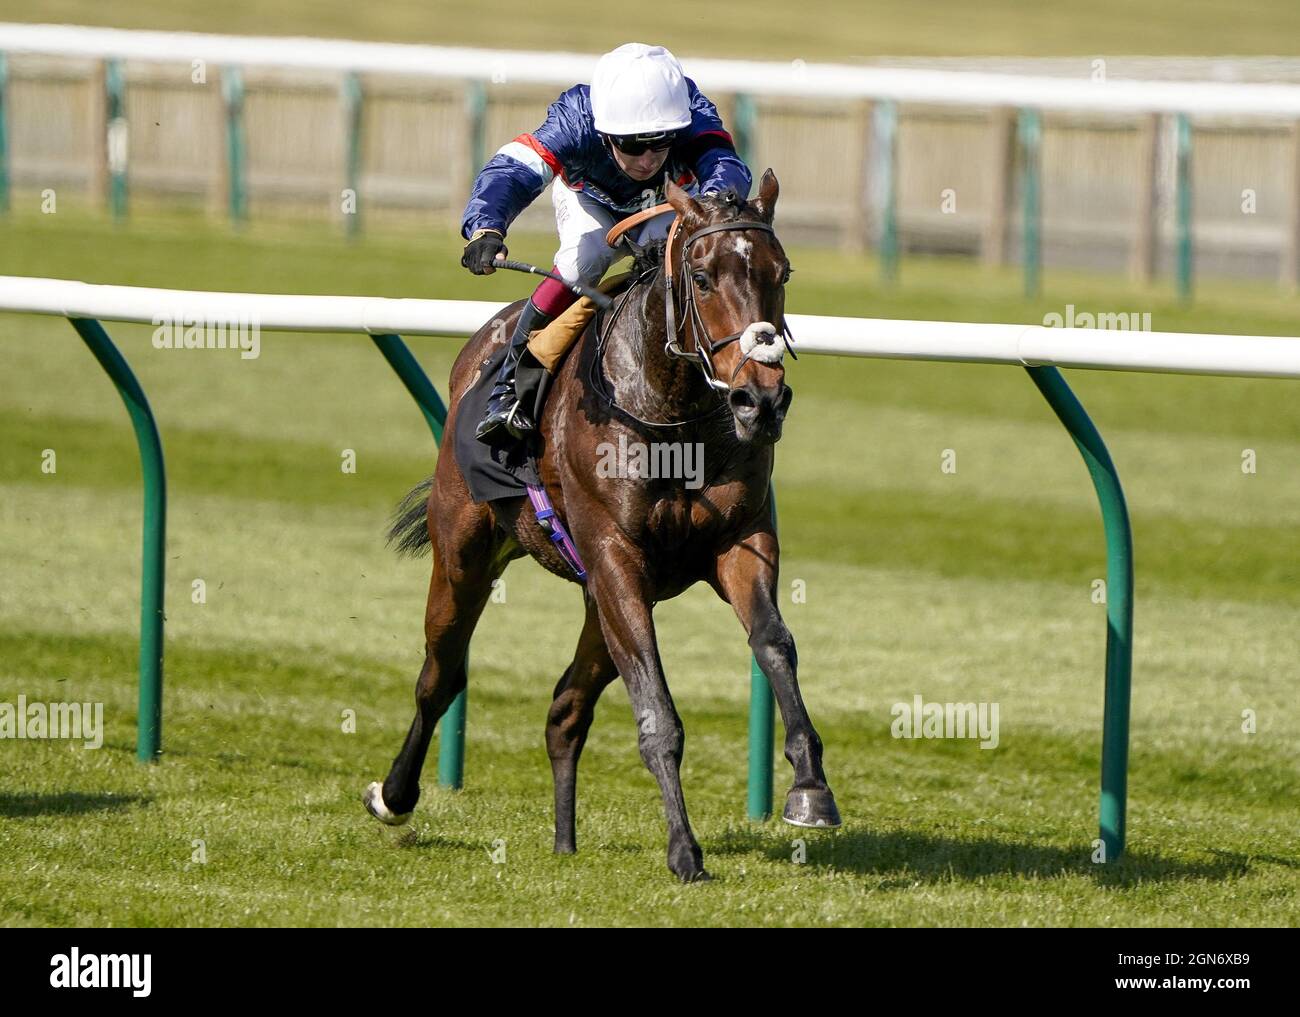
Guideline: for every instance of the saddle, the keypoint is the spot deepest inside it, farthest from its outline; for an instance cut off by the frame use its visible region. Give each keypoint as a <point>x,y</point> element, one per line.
<point>493,472</point>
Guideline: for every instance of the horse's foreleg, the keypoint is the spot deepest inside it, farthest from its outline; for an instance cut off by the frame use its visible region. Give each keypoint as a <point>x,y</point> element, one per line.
<point>618,582</point>
<point>745,576</point>
<point>569,719</point>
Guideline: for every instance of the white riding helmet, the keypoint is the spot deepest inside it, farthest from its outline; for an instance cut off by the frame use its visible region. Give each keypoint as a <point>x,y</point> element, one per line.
<point>639,89</point>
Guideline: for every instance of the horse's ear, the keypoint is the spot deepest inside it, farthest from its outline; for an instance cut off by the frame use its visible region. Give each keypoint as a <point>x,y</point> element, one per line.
<point>687,207</point>
<point>765,203</point>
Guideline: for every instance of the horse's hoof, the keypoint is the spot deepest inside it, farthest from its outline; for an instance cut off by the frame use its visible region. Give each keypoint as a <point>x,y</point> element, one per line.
<point>374,799</point>
<point>811,807</point>
<point>686,862</point>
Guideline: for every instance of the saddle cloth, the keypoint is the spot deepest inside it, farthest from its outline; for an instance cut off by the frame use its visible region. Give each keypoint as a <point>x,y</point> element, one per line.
<point>493,472</point>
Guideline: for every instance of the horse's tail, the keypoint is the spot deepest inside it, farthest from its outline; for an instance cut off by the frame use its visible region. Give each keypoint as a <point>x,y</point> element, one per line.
<point>409,533</point>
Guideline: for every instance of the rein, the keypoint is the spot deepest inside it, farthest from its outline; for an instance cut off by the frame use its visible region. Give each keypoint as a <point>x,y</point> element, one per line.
<point>604,327</point>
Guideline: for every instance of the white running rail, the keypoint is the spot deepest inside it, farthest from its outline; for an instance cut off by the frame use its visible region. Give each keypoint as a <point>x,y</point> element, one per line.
<point>1028,345</point>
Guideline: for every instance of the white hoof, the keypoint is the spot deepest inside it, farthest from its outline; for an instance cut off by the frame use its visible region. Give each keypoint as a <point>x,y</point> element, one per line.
<point>374,799</point>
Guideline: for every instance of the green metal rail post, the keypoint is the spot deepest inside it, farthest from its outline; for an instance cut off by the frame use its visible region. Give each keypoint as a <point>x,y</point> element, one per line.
<point>1031,167</point>
<point>1119,603</point>
<point>232,91</point>
<point>148,744</point>
<point>884,119</point>
<point>745,128</point>
<point>1119,631</point>
<point>762,727</point>
<point>451,729</point>
<point>1183,201</point>
<point>4,135</point>
<point>149,738</point>
<point>352,108</point>
<point>476,111</point>
<point>118,135</point>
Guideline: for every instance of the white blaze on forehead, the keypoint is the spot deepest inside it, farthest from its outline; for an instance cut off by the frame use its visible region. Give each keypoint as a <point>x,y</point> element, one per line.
<point>743,247</point>
<point>760,342</point>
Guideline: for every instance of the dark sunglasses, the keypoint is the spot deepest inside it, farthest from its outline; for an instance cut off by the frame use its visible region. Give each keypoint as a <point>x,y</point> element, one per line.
<point>639,144</point>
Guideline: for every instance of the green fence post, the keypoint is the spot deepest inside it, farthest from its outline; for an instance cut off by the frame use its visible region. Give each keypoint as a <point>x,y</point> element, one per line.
<point>1119,603</point>
<point>451,728</point>
<point>4,134</point>
<point>476,111</point>
<point>1183,126</point>
<point>745,129</point>
<point>762,739</point>
<point>352,108</point>
<point>451,740</point>
<point>407,368</point>
<point>148,744</point>
<point>118,137</point>
<point>762,726</point>
<point>884,119</point>
<point>232,91</point>
<point>1031,167</point>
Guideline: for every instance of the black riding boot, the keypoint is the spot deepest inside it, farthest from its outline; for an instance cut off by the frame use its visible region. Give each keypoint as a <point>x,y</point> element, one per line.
<point>505,417</point>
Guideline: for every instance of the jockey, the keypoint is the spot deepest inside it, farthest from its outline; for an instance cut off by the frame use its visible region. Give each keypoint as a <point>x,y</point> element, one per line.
<point>608,147</point>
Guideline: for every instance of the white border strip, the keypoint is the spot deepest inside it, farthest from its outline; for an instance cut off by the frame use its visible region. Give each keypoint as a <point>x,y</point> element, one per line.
<point>1031,345</point>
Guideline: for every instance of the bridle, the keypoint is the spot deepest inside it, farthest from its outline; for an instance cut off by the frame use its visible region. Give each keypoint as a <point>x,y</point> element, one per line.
<point>704,351</point>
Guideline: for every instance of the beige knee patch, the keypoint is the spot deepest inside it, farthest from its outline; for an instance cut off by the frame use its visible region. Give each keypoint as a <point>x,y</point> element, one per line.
<point>549,344</point>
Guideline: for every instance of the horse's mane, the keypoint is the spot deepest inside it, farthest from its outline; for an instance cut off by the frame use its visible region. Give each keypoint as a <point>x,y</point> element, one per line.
<point>727,206</point>
<point>648,258</point>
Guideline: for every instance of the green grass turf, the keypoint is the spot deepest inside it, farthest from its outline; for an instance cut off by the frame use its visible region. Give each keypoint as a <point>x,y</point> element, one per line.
<point>972,586</point>
<point>830,30</point>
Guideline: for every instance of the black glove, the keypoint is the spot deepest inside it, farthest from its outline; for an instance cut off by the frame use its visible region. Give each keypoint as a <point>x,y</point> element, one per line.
<point>482,250</point>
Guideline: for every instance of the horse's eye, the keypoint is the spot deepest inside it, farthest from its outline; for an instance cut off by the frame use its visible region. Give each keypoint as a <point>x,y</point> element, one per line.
<point>785,276</point>
<point>701,281</point>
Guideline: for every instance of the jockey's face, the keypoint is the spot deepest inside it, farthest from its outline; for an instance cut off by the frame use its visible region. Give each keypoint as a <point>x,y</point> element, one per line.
<point>639,167</point>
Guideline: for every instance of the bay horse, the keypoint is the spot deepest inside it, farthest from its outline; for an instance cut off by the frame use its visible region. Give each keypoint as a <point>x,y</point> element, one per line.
<point>690,353</point>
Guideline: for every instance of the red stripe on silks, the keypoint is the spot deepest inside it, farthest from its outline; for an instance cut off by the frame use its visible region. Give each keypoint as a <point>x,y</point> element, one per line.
<point>547,156</point>
<point>685,178</point>
<point>553,297</point>
<point>721,134</point>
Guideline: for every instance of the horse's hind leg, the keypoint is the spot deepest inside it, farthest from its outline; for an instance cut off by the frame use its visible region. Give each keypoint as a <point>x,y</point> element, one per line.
<point>569,719</point>
<point>458,591</point>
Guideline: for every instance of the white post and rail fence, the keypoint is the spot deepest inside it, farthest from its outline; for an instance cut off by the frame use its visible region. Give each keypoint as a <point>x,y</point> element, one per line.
<point>1162,113</point>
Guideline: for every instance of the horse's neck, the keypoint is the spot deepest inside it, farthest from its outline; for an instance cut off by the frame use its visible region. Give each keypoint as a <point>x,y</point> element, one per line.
<point>649,383</point>
<point>646,380</point>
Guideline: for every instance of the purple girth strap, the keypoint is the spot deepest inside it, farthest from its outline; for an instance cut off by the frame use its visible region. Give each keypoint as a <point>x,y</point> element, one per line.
<point>549,520</point>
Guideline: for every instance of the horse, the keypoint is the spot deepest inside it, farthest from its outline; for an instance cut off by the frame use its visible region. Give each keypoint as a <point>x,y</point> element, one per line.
<point>650,368</point>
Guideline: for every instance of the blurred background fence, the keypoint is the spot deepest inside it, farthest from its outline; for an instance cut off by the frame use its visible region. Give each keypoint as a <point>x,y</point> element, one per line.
<point>1078,171</point>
